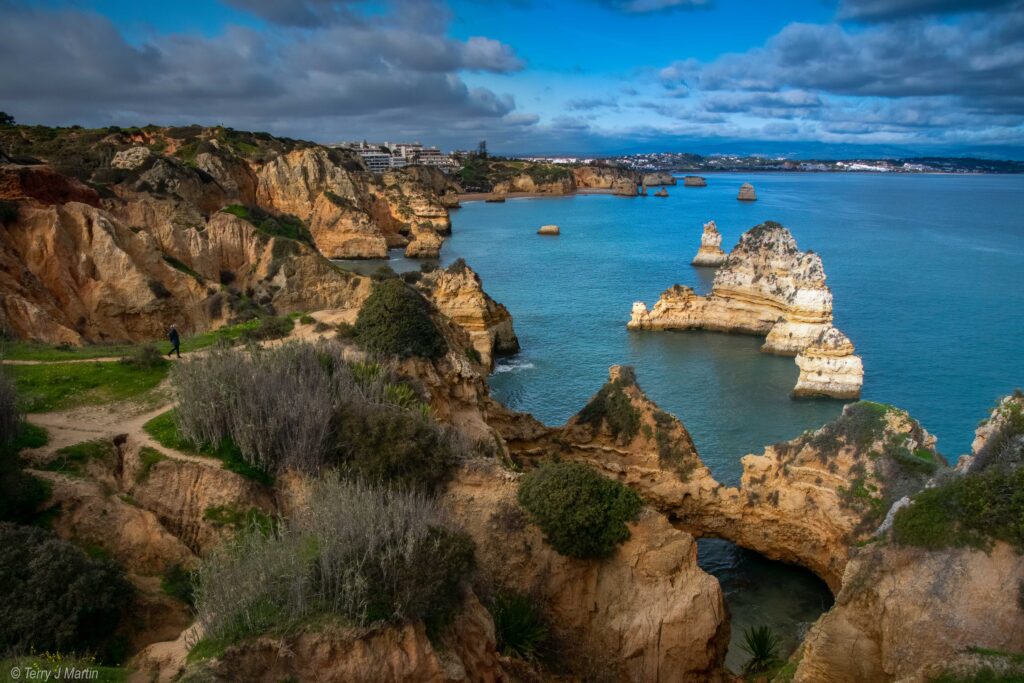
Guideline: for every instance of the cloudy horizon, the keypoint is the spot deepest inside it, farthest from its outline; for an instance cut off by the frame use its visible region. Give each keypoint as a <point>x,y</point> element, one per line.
<point>585,77</point>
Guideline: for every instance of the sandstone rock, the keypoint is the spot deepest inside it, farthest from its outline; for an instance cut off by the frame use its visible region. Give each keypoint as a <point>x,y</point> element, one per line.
<point>524,182</point>
<point>131,158</point>
<point>44,186</point>
<point>657,178</point>
<point>829,368</point>
<point>549,230</point>
<point>710,252</point>
<point>458,293</point>
<point>648,613</point>
<point>747,193</point>
<point>694,181</point>
<point>619,181</point>
<point>661,193</point>
<point>767,286</point>
<point>425,243</point>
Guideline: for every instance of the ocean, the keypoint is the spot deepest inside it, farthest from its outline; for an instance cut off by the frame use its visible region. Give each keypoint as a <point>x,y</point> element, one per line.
<point>927,276</point>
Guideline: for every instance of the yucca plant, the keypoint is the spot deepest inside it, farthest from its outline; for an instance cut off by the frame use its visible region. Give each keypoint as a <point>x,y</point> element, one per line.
<point>519,627</point>
<point>763,647</point>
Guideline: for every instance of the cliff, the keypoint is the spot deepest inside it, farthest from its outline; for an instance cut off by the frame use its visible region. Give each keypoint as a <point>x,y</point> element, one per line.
<point>769,287</point>
<point>657,178</point>
<point>828,367</point>
<point>554,183</point>
<point>615,180</point>
<point>458,293</point>
<point>694,181</point>
<point>710,253</point>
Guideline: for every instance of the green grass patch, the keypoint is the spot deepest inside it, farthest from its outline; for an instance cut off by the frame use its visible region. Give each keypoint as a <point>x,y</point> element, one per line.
<point>285,226</point>
<point>240,518</point>
<point>74,459</point>
<point>28,436</point>
<point>149,457</point>
<point>60,386</point>
<point>209,648</point>
<point>178,265</point>
<point>164,429</point>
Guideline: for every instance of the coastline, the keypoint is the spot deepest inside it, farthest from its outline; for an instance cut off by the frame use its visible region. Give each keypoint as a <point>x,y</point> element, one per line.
<point>484,196</point>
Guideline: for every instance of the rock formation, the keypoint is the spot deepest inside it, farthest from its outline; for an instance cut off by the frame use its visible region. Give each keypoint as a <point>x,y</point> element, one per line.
<point>458,293</point>
<point>661,193</point>
<point>828,367</point>
<point>658,178</point>
<point>561,184</point>
<point>694,181</point>
<point>549,230</point>
<point>766,287</point>
<point>425,243</point>
<point>668,625</point>
<point>747,193</point>
<point>710,253</point>
<point>616,180</point>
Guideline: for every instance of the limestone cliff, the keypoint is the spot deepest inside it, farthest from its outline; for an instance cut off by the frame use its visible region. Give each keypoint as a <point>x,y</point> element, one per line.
<point>425,243</point>
<point>458,293</point>
<point>560,184</point>
<point>657,178</point>
<point>828,367</point>
<point>769,287</point>
<point>710,252</point>
<point>648,613</point>
<point>616,180</point>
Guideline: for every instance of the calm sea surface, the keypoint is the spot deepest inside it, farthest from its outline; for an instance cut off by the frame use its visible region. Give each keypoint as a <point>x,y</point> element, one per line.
<point>927,274</point>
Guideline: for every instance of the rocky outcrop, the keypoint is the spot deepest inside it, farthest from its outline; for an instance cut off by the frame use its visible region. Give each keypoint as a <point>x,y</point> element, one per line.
<point>387,654</point>
<point>458,293</point>
<point>18,183</point>
<point>131,158</point>
<point>828,367</point>
<point>531,184</point>
<point>648,613</point>
<point>710,253</point>
<point>747,193</point>
<point>74,273</point>
<point>694,181</point>
<point>615,180</point>
<point>657,178</point>
<point>549,230</point>
<point>425,243</point>
<point>769,287</point>
<point>661,193</point>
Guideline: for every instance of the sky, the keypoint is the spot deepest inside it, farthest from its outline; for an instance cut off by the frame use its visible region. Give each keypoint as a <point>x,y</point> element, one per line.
<point>796,78</point>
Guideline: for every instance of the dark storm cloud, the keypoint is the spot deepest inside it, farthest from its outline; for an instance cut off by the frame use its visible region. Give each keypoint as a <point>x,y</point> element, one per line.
<point>884,10</point>
<point>67,67</point>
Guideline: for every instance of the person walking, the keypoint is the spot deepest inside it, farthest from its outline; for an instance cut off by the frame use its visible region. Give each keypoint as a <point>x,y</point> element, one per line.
<point>172,336</point>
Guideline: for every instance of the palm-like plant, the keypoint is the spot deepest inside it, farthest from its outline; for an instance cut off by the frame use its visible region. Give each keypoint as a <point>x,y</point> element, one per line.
<point>763,647</point>
<point>519,627</point>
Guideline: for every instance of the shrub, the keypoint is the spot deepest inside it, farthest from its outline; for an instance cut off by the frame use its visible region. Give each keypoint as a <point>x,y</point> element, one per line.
<point>612,406</point>
<point>55,597</point>
<point>307,320</point>
<point>582,513</point>
<point>395,321</point>
<point>356,552</point>
<point>148,458</point>
<point>147,356</point>
<point>972,510</point>
<point>519,626</point>
<point>176,581</point>
<point>345,330</point>
<point>763,647</point>
<point>285,226</point>
<point>272,327</point>
<point>322,327</point>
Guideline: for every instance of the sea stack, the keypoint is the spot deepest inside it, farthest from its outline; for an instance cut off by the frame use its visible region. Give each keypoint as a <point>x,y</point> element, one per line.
<point>766,286</point>
<point>549,230</point>
<point>694,181</point>
<point>661,193</point>
<point>710,253</point>
<point>747,193</point>
<point>829,368</point>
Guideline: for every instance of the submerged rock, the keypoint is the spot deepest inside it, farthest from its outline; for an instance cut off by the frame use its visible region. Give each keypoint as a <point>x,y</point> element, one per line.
<point>769,287</point>
<point>747,193</point>
<point>710,252</point>
<point>549,230</point>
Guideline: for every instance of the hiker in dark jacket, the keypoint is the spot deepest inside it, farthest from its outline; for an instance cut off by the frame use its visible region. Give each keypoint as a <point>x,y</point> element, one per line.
<point>175,340</point>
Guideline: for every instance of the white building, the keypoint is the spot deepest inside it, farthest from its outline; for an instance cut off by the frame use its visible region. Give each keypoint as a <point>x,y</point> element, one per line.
<point>380,157</point>
<point>377,162</point>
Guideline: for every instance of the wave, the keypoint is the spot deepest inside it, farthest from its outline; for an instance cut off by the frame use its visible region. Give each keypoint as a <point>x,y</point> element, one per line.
<point>512,366</point>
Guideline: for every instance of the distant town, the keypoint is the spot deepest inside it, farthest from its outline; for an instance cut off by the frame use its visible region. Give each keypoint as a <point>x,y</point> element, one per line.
<point>384,156</point>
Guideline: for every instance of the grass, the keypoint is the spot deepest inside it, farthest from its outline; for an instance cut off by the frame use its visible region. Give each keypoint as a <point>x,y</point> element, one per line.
<point>148,457</point>
<point>28,436</point>
<point>286,226</point>
<point>60,386</point>
<point>74,459</point>
<point>164,429</point>
<point>239,518</point>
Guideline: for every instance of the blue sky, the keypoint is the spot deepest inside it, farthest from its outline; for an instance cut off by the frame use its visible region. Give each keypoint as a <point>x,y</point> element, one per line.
<point>579,77</point>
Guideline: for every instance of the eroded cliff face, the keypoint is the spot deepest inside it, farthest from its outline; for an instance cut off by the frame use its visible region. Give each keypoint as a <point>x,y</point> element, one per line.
<point>767,286</point>
<point>710,253</point>
<point>525,182</point>
<point>458,293</point>
<point>657,178</point>
<point>648,613</point>
<point>618,181</point>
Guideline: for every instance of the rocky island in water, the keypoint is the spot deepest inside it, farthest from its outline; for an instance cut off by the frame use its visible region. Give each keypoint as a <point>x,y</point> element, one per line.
<point>322,488</point>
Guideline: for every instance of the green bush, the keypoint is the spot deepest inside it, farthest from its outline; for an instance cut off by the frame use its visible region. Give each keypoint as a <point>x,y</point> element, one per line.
<point>285,226</point>
<point>272,327</point>
<point>582,513</point>
<point>307,320</point>
<point>54,597</point>
<point>519,627</point>
<point>147,356</point>
<point>176,581</point>
<point>611,406</point>
<point>358,553</point>
<point>395,321</point>
<point>972,510</point>
<point>394,445</point>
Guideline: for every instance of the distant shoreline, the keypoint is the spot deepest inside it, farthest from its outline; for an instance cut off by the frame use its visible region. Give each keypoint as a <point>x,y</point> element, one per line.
<point>484,196</point>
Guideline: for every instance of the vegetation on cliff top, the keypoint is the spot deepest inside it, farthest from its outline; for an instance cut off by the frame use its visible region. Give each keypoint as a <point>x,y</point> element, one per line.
<point>357,553</point>
<point>286,226</point>
<point>582,513</point>
<point>612,407</point>
<point>395,321</point>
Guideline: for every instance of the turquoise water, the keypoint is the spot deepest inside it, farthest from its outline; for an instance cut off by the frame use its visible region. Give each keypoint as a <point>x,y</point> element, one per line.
<point>927,273</point>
